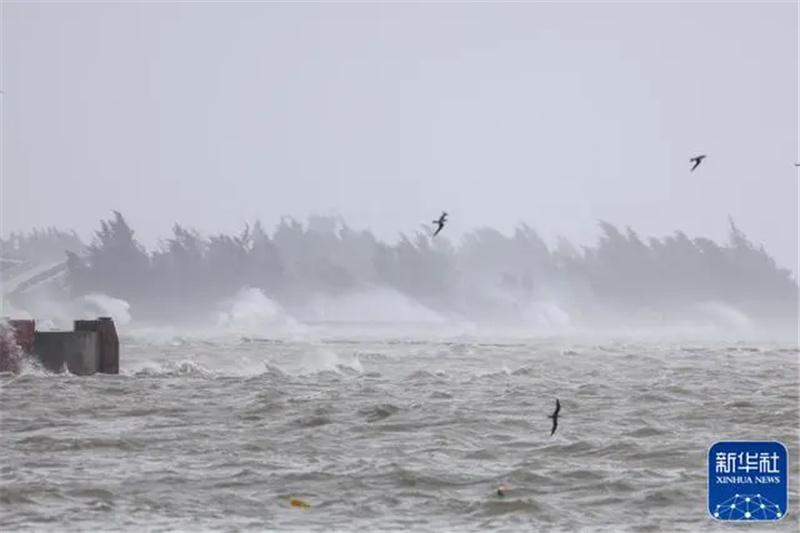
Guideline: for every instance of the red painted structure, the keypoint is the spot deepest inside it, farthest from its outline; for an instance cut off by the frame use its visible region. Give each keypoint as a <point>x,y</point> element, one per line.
<point>18,342</point>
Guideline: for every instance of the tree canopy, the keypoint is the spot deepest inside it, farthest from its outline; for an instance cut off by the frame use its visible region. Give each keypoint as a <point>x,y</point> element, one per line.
<point>190,272</point>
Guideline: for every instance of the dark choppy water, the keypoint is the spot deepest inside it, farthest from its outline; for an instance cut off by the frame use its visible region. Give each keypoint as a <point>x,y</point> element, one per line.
<point>380,435</point>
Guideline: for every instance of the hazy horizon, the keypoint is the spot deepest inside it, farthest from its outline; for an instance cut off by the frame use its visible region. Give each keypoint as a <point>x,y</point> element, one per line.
<point>306,272</point>
<point>400,385</point>
<point>557,115</point>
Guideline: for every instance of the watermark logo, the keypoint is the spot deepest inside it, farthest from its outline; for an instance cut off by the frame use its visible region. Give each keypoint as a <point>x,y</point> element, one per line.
<point>747,480</point>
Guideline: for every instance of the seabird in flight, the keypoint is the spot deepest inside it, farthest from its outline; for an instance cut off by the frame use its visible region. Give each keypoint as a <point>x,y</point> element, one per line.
<point>554,416</point>
<point>440,222</point>
<point>696,160</point>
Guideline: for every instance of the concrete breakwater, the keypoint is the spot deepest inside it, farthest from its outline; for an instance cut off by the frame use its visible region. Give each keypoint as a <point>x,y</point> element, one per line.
<point>91,347</point>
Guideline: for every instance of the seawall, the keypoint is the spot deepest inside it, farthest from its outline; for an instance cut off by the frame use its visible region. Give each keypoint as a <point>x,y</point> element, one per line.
<point>91,347</point>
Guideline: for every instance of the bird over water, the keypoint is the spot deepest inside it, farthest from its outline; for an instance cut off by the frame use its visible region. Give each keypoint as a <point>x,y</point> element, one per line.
<point>554,416</point>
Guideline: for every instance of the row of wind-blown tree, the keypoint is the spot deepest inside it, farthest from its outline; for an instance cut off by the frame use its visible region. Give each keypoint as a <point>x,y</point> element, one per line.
<point>487,274</point>
<point>39,246</point>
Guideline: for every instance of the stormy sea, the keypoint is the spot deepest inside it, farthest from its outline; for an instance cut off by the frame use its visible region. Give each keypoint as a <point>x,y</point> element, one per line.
<point>320,380</point>
<point>391,427</point>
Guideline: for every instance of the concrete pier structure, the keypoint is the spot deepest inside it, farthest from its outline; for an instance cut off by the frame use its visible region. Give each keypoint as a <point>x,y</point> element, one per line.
<point>75,351</point>
<point>92,347</point>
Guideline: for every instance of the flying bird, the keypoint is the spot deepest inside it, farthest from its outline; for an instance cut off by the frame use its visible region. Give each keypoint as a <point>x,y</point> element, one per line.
<point>440,222</point>
<point>696,160</point>
<point>554,416</point>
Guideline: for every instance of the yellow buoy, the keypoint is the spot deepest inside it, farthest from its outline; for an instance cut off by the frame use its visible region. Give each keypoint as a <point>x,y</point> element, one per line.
<point>295,502</point>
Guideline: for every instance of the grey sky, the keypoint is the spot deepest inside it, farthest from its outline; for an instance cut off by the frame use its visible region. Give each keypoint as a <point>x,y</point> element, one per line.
<point>556,114</point>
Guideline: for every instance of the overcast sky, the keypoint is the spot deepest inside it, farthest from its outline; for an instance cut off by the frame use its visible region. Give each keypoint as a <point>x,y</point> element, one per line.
<point>558,114</point>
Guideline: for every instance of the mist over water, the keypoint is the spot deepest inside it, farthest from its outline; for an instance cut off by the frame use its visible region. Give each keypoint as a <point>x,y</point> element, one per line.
<point>400,404</point>
<point>325,273</point>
